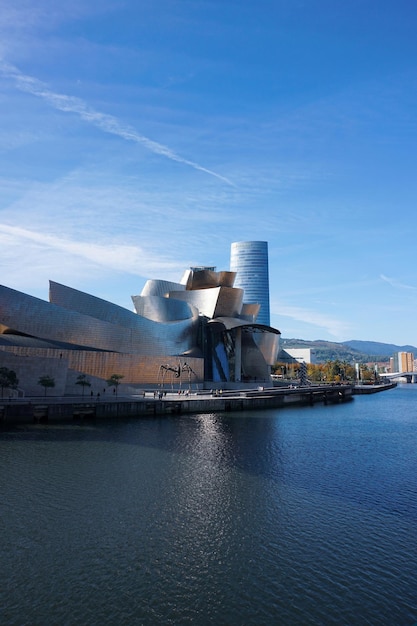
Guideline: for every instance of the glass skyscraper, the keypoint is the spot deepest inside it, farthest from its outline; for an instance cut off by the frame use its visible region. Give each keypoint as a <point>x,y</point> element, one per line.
<point>249,259</point>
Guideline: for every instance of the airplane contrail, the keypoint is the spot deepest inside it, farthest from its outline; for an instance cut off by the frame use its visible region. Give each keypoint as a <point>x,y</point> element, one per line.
<point>107,123</point>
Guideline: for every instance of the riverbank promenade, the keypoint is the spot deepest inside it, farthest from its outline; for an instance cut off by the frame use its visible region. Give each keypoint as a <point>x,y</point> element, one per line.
<point>162,402</point>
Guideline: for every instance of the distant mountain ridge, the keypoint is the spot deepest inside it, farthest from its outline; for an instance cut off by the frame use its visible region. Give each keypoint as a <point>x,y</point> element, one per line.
<point>350,351</point>
<point>379,348</point>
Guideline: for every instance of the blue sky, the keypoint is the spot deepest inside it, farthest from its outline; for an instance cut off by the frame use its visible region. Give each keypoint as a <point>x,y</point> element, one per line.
<point>139,137</point>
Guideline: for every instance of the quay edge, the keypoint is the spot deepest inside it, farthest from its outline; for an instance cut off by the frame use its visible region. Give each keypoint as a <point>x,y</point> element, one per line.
<point>69,409</point>
<point>359,390</point>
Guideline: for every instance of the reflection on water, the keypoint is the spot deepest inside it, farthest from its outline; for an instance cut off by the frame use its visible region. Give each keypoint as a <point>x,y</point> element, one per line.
<point>298,516</point>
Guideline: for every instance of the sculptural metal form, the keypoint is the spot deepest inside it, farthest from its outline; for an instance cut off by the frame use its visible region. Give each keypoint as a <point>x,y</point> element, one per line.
<point>176,372</point>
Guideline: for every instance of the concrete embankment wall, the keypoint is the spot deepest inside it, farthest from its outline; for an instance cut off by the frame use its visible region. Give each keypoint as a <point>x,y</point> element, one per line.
<point>54,411</point>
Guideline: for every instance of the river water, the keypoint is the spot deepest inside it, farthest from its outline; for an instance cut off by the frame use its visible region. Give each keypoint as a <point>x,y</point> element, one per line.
<point>282,517</point>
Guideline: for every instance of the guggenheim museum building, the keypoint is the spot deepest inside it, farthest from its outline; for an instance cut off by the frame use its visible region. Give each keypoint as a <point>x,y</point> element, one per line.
<point>204,330</point>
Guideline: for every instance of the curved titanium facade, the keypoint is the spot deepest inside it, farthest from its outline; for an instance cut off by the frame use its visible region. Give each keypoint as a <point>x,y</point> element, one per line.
<point>163,309</point>
<point>145,336</point>
<point>213,302</point>
<point>160,288</point>
<point>201,319</point>
<point>249,259</point>
<point>95,325</point>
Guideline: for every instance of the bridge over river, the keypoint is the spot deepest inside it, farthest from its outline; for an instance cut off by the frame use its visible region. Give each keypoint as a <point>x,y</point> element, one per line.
<point>411,377</point>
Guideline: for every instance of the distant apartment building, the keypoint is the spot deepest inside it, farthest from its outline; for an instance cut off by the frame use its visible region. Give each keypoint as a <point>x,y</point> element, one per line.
<point>402,362</point>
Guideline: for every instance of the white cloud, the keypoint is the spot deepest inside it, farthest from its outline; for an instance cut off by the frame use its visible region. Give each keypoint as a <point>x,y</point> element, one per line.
<point>91,225</point>
<point>396,284</point>
<point>106,123</point>
<point>25,15</point>
<point>334,327</point>
<point>51,253</point>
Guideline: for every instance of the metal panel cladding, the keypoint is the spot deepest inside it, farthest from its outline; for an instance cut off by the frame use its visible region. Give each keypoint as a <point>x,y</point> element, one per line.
<point>249,259</point>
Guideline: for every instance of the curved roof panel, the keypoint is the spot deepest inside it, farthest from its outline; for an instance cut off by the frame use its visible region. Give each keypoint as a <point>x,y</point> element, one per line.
<point>230,323</point>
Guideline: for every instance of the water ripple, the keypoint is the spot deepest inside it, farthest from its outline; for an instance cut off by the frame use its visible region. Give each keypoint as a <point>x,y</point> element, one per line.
<point>291,517</point>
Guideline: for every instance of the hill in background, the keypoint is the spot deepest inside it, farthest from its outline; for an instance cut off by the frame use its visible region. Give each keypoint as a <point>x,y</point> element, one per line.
<point>379,348</point>
<point>353,351</point>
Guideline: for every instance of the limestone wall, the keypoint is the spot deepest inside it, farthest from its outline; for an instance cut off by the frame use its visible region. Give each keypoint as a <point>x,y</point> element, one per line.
<point>64,366</point>
<point>29,369</point>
